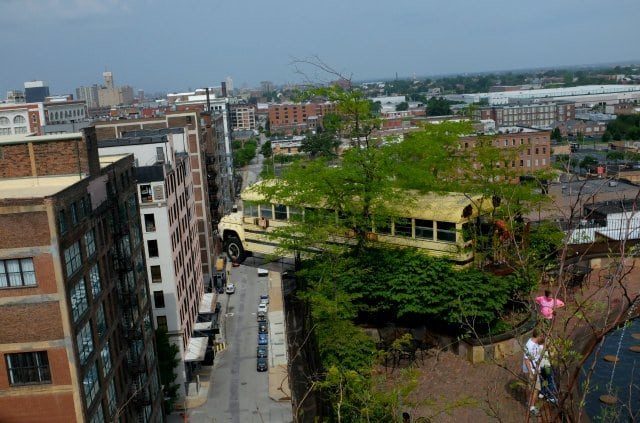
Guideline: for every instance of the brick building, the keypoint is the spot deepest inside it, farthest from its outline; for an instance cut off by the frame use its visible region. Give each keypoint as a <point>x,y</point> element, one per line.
<point>533,147</point>
<point>290,118</point>
<point>204,164</point>
<point>76,338</point>
<point>539,115</point>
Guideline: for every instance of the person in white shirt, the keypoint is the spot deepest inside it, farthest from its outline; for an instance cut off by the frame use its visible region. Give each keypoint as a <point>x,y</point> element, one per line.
<point>533,351</point>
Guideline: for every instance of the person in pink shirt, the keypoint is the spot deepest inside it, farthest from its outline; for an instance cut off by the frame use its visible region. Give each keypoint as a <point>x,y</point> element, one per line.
<point>548,304</point>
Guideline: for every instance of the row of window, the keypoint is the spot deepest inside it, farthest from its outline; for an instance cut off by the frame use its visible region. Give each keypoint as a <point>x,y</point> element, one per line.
<point>77,212</point>
<point>17,130</point>
<point>17,120</point>
<point>405,227</point>
<point>73,256</point>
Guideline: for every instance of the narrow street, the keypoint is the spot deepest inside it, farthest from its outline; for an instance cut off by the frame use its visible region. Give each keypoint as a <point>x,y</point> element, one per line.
<point>239,393</point>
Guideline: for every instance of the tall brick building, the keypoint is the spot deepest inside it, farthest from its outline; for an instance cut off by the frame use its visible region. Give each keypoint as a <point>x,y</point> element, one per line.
<point>76,338</point>
<point>540,115</point>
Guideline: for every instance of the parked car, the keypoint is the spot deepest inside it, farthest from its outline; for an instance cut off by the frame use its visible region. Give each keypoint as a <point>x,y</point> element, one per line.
<point>263,272</point>
<point>262,317</point>
<point>262,351</point>
<point>262,308</point>
<point>264,299</point>
<point>263,339</point>
<point>262,327</point>
<point>262,365</point>
<point>231,288</point>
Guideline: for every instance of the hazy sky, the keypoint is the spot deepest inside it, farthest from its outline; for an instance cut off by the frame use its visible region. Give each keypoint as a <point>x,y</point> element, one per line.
<point>177,44</point>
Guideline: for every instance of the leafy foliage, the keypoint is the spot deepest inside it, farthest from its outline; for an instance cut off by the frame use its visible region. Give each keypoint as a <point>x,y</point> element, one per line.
<point>321,144</point>
<point>438,106</point>
<point>243,153</point>
<point>168,359</point>
<point>624,127</point>
<point>266,150</point>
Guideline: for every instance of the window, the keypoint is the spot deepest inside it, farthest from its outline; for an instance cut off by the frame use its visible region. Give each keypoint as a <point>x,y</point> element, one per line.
<point>295,214</point>
<point>84,340</point>
<point>101,322</point>
<point>28,368</point>
<point>159,155</point>
<point>105,355</point>
<point>156,274</point>
<point>152,248</point>
<point>78,295</point>
<point>98,417</point>
<point>19,119</point>
<point>145,194</point>
<point>424,229</point>
<point>149,222</point>
<point>250,210</point>
<point>17,272</point>
<point>94,280</point>
<point>4,121</point>
<point>446,231</point>
<point>162,322</point>
<point>265,211</point>
<point>72,258</point>
<point>90,384</point>
<point>112,400</point>
<point>74,214</point>
<point>158,299</point>
<point>402,227</point>
<point>280,212</point>
<point>90,243</point>
<point>62,221</point>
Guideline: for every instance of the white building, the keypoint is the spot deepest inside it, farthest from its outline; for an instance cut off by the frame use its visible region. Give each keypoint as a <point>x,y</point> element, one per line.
<point>582,96</point>
<point>172,246</point>
<point>613,220</point>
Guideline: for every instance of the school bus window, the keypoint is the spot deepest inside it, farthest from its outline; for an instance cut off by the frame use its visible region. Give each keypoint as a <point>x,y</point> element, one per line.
<point>280,212</point>
<point>383,226</point>
<point>295,214</point>
<point>446,231</point>
<point>424,229</point>
<point>250,209</point>
<point>403,227</point>
<point>265,211</point>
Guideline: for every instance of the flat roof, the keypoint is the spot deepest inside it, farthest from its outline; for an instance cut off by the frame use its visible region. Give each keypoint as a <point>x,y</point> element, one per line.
<point>111,159</point>
<point>21,139</point>
<point>36,187</point>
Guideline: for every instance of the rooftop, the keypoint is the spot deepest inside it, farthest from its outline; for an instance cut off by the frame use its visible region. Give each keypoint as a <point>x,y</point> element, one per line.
<point>20,139</point>
<point>109,160</point>
<point>36,187</point>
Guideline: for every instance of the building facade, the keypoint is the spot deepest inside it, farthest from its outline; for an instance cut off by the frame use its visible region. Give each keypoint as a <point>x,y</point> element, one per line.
<point>243,117</point>
<point>21,119</point>
<point>290,118</point>
<point>77,340</point>
<point>539,115</point>
<point>89,95</point>
<point>169,231</point>
<point>199,138</point>
<point>35,91</point>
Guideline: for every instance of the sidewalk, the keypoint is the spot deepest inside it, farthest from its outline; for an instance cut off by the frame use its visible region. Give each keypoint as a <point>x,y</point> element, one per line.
<point>278,363</point>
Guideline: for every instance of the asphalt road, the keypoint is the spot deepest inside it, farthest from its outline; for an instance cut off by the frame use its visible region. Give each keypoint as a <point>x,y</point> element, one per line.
<point>239,393</point>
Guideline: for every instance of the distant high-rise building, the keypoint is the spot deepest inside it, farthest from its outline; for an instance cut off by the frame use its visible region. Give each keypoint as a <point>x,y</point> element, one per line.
<point>89,95</point>
<point>35,91</point>
<point>15,97</point>
<point>266,86</point>
<point>110,95</point>
<point>229,83</point>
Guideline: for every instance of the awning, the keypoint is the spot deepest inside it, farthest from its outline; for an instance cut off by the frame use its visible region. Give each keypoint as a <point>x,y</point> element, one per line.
<point>203,326</point>
<point>207,304</point>
<point>196,349</point>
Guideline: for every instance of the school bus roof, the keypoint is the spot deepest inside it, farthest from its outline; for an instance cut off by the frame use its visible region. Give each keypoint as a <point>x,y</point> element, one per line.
<point>446,207</point>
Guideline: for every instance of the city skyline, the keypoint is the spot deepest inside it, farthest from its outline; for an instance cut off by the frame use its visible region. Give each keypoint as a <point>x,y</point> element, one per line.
<point>156,45</point>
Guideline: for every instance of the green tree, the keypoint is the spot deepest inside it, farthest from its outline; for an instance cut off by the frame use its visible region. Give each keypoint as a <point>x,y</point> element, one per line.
<point>588,162</point>
<point>266,150</point>
<point>438,106</point>
<point>606,137</point>
<point>556,135</point>
<point>402,106</point>
<point>168,359</point>
<point>321,144</point>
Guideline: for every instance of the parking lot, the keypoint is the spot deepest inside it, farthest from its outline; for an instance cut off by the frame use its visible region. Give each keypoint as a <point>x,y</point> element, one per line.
<point>239,393</point>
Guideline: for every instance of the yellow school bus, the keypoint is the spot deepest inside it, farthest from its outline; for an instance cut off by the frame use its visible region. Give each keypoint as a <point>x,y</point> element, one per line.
<point>433,223</point>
